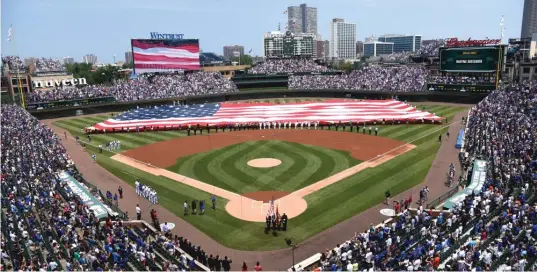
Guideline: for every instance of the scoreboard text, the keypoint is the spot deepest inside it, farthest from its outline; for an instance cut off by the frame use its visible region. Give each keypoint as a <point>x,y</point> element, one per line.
<point>470,59</point>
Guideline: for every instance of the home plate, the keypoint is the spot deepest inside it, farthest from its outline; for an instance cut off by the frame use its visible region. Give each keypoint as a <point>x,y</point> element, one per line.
<point>387,212</point>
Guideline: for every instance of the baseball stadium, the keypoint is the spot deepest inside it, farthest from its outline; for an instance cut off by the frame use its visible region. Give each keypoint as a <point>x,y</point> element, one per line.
<point>405,161</point>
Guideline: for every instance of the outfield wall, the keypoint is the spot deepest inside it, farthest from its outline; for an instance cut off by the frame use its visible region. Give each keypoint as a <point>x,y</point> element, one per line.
<point>457,97</point>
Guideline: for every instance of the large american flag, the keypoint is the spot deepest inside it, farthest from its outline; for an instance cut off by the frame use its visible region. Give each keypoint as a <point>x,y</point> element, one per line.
<point>152,56</point>
<point>332,111</point>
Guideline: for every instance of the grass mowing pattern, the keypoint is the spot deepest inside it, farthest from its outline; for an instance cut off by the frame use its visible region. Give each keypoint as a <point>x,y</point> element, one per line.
<point>326,207</point>
<point>301,165</point>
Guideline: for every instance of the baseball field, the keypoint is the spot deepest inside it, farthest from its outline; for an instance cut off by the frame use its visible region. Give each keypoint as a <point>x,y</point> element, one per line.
<point>320,177</point>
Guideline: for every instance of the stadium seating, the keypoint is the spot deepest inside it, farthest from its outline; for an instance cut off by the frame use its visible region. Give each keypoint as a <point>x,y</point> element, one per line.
<point>209,57</point>
<point>48,65</point>
<point>495,229</point>
<point>376,78</point>
<point>13,62</point>
<point>279,66</point>
<point>144,87</point>
<point>45,225</point>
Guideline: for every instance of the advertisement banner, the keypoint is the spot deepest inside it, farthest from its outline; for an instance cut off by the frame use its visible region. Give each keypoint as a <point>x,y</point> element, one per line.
<point>98,209</point>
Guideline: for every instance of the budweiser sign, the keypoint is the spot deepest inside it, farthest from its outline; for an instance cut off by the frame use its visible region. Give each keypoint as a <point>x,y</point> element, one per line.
<point>454,42</point>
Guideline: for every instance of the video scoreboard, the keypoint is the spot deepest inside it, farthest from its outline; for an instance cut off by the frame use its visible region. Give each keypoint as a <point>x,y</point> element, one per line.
<point>471,59</point>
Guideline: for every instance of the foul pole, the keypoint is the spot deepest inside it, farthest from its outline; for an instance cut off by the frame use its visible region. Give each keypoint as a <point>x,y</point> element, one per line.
<point>499,54</point>
<point>11,39</point>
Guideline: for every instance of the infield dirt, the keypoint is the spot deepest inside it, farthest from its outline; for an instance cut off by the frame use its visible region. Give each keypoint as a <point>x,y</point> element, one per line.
<point>154,158</point>
<point>165,154</point>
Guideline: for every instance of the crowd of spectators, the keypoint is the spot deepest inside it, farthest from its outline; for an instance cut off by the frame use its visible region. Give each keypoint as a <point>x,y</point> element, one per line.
<point>144,87</point>
<point>48,65</point>
<point>430,48</point>
<point>285,66</point>
<point>14,62</point>
<point>375,78</point>
<point>462,80</point>
<point>494,228</point>
<point>46,227</point>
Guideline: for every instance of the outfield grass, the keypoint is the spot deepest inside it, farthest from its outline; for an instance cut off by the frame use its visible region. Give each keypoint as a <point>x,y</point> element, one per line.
<point>326,207</point>
<point>301,166</point>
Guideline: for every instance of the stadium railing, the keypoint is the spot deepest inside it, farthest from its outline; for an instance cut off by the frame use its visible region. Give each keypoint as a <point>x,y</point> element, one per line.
<point>439,200</point>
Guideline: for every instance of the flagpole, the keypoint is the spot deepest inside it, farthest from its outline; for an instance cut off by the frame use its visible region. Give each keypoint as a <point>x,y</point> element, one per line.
<point>499,53</point>
<point>11,39</point>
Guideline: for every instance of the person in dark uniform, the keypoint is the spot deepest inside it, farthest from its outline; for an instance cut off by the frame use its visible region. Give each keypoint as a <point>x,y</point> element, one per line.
<point>440,138</point>
<point>273,221</point>
<point>267,222</point>
<point>370,128</point>
<point>350,125</point>
<point>89,138</point>
<point>202,207</point>
<point>217,263</point>
<point>284,222</point>
<point>322,126</point>
<point>343,124</point>
<point>208,129</point>
<point>193,207</point>
<point>213,200</point>
<point>387,195</point>
<point>210,263</point>
<point>188,131</point>
<point>226,263</point>
<point>376,131</point>
<point>447,134</point>
<point>363,130</point>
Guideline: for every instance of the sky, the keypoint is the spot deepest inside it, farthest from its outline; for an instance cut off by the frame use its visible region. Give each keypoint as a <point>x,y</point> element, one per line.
<point>60,28</point>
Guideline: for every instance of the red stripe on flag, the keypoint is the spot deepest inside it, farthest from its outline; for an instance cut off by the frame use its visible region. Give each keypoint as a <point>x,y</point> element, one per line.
<point>142,57</point>
<point>181,66</point>
<point>191,47</point>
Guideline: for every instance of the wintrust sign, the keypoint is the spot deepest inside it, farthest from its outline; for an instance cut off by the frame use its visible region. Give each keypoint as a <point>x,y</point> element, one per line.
<point>58,82</point>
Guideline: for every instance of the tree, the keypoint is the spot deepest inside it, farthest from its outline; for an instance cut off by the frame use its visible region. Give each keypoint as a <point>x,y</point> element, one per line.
<point>106,74</point>
<point>103,75</point>
<point>244,59</point>
<point>81,70</point>
<point>127,65</point>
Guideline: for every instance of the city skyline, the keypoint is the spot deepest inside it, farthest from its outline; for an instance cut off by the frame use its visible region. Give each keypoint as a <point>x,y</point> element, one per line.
<point>98,30</point>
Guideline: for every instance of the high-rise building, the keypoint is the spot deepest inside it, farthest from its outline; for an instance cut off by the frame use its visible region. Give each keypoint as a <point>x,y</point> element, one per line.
<point>402,43</point>
<point>342,40</point>
<point>359,48</point>
<point>320,50</point>
<point>326,48</point>
<point>302,19</point>
<point>529,19</point>
<point>68,60</point>
<point>229,51</point>
<point>90,59</point>
<point>287,45</point>
<point>128,57</point>
<point>376,48</point>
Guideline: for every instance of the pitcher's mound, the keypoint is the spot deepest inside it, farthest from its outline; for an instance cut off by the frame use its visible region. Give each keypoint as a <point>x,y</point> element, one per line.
<point>264,162</point>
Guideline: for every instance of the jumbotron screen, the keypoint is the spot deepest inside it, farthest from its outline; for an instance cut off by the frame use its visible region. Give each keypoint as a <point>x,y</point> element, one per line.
<point>470,59</point>
<point>153,56</point>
